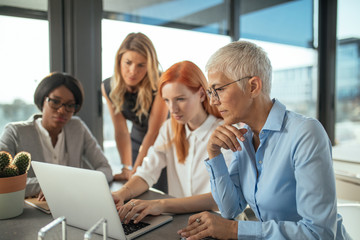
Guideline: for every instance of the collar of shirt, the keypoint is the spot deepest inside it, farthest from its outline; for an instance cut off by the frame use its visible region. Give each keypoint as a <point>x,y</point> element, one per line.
<point>203,130</point>
<point>56,152</point>
<point>276,116</point>
<point>274,121</point>
<point>44,133</point>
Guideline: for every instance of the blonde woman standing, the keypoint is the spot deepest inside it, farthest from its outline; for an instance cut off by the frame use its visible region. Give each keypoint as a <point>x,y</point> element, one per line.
<point>131,94</point>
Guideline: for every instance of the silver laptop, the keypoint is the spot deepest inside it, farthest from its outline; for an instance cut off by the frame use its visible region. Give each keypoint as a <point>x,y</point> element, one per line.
<point>83,197</point>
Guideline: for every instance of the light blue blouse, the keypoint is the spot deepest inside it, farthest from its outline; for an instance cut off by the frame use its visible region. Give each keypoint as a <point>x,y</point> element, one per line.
<point>294,194</point>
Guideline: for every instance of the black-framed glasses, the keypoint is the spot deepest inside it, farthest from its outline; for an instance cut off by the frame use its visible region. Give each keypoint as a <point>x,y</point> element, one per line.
<point>213,92</point>
<point>56,104</point>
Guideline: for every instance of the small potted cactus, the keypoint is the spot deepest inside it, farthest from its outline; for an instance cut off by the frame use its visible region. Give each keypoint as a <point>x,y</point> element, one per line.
<point>13,174</point>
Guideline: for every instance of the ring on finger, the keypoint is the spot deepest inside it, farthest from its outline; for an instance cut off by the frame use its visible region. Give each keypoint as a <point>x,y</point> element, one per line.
<point>132,204</point>
<point>198,220</point>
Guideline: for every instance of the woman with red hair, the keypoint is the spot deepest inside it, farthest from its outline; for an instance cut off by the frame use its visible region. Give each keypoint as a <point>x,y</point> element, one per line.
<point>180,146</point>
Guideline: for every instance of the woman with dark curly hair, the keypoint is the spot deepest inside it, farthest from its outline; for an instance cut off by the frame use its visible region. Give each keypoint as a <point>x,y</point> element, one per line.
<point>55,136</point>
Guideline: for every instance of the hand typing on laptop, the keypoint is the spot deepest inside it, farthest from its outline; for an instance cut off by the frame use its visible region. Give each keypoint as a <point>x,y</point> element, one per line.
<point>137,209</point>
<point>118,200</point>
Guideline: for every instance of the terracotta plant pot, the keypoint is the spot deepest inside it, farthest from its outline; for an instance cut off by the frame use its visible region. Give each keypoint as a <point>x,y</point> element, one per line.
<point>12,194</point>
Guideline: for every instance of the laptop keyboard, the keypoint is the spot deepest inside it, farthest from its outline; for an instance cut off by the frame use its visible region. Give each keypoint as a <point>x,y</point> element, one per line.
<point>133,227</point>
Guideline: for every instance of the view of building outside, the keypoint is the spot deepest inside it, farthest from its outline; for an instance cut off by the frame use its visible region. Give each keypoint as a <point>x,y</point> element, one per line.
<point>348,91</point>
<point>294,80</point>
<point>347,127</point>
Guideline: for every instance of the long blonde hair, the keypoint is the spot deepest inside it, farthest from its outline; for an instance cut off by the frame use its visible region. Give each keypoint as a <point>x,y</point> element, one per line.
<point>190,75</point>
<point>141,44</point>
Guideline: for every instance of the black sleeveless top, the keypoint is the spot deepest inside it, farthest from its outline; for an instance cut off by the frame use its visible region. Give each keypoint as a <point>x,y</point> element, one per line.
<point>129,104</point>
<point>138,130</point>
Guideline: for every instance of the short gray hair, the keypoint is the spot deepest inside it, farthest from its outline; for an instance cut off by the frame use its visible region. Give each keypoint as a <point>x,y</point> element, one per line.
<point>242,59</point>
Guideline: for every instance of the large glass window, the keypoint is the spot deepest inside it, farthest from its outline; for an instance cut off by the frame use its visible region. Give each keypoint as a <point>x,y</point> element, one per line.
<point>24,61</point>
<point>294,80</point>
<point>347,128</point>
<point>285,30</point>
<point>172,45</point>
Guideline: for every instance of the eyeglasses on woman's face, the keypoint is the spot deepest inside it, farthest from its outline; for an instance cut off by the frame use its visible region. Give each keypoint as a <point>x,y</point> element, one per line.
<point>56,104</point>
<point>213,92</point>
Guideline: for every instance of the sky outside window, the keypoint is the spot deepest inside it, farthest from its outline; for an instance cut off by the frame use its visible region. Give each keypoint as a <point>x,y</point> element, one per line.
<point>24,58</point>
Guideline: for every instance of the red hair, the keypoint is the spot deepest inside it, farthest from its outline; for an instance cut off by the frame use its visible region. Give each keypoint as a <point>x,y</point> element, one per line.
<point>190,75</point>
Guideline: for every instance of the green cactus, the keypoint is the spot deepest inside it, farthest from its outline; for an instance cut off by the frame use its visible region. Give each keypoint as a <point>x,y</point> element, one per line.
<point>22,162</point>
<point>5,159</point>
<point>10,171</point>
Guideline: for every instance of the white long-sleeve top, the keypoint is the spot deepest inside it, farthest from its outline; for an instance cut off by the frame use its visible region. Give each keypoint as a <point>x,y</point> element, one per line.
<point>184,179</point>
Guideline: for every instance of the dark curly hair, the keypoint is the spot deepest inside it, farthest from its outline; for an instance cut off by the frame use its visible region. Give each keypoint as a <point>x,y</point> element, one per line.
<point>55,80</point>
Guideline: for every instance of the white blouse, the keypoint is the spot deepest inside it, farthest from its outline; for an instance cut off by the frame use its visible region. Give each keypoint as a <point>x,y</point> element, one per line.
<point>57,154</point>
<point>184,179</point>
